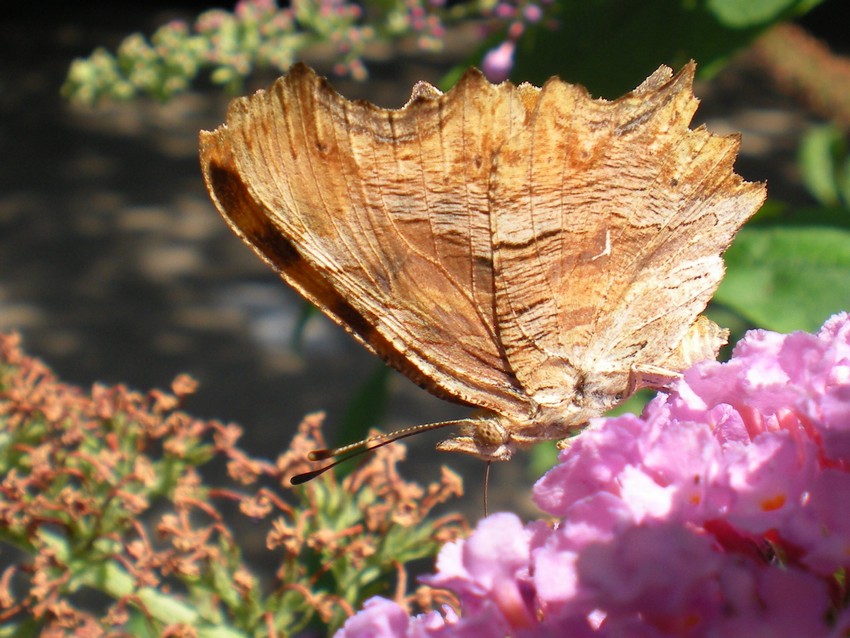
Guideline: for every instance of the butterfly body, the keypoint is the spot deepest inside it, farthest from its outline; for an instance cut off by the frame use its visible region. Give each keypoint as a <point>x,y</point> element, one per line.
<point>528,251</point>
<point>496,437</point>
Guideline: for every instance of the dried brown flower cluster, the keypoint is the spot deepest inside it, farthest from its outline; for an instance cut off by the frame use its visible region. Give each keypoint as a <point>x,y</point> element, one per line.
<point>101,499</point>
<point>382,521</point>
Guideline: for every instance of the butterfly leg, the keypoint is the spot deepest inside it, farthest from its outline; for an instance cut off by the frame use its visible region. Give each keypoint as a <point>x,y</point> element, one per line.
<point>486,439</point>
<point>649,376</point>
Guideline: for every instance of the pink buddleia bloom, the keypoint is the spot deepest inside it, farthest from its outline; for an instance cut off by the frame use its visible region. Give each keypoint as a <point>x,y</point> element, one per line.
<point>556,551</point>
<point>498,62</point>
<point>721,511</point>
<point>379,618</point>
<point>829,404</point>
<point>489,573</point>
<point>771,603</point>
<point>589,466</point>
<point>382,618</point>
<point>664,575</point>
<point>822,528</point>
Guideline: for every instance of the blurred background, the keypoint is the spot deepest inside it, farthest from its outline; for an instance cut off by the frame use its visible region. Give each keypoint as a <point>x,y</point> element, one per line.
<point>115,267</point>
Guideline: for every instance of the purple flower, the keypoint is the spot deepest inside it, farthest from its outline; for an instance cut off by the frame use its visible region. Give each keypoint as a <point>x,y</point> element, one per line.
<point>722,510</point>
<point>498,62</point>
<point>532,13</point>
<point>489,571</point>
<point>380,618</point>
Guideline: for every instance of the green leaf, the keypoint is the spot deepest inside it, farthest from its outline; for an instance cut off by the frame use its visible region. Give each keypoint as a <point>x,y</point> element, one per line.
<point>306,312</point>
<point>611,46</point>
<point>542,458</point>
<point>111,577</point>
<point>824,162</point>
<point>788,278</point>
<point>367,406</point>
<point>739,15</point>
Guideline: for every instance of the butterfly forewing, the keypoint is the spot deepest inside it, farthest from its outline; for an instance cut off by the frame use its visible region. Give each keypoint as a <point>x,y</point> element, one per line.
<point>389,210</point>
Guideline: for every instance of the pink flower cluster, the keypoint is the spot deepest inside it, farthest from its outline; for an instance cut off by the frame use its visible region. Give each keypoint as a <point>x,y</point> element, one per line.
<point>517,15</point>
<point>723,511</point>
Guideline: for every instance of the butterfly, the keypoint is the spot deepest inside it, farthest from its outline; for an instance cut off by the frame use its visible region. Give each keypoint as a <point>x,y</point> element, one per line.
<point>532,252</point>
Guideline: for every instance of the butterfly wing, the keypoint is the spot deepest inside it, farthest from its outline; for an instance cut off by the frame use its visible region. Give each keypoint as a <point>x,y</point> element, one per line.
<point>380,218</point>
<point>609,221</point>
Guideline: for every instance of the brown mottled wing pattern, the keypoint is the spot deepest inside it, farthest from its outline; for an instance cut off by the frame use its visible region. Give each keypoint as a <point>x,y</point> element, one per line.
<point>609,223</point>
<point>530,251</point>
<point>380,218</point>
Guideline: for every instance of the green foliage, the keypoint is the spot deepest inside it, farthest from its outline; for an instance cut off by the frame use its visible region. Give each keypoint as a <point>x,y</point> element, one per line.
<point>755,13</point>
<point>256,35</point>
<point>610,46</point>
<point>788,277</point>
<point>369,403</point>
<point>824,160</point>
<point>790,269</point>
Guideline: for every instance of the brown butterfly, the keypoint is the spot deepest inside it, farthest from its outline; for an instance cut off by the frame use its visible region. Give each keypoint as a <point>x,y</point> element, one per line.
<point>529,251</point>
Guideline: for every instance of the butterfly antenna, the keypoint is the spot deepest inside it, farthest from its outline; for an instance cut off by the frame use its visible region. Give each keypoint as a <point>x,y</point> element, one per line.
<point>341,454</point>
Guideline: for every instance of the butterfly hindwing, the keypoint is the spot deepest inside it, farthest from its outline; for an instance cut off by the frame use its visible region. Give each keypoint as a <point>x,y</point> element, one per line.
<point>386,214</point>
